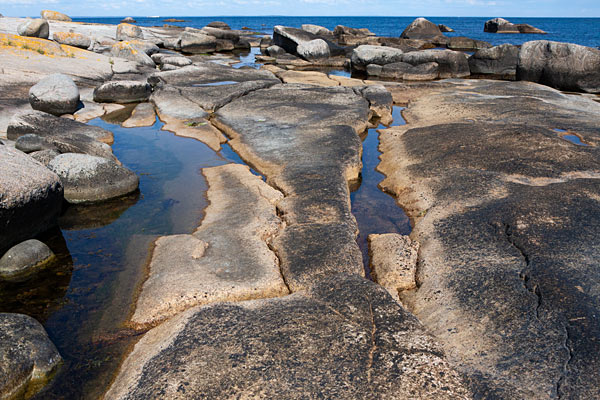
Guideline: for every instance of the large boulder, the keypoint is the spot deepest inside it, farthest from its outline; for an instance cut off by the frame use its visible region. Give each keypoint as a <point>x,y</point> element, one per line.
<point>219,25</point>
<point>128,20</point>
<point>50,15</point>
<point>461,43</point>
<point>72,39</point>
<point>122,92</point>
<point>445,28</point>
<point>500,25</point>
<point>29,358</point>
<point>452,64</point>
<point>128,32</point>
<point>275,51</point>
<point>289,38</point>
<point>31,197</point>
<point>421,28</point>
<point>380,55</point>
<point>34,28</point>
<point>197,42</point>
<point>317,49</point>
<point>89,179</point>
<point>25,259</point>
<point>564,66</point>
<point>55,94</point>
<point>345,338</point>
<point>317,30</point>
<point>221,33</point>
<point>129,51</point>
<point>345,30</point>
<point>66,135</point>
<point>498,61</point>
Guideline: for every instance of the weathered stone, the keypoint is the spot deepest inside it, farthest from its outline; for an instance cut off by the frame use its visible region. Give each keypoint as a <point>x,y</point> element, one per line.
<point>389,71</point>
<point>31,197</point>
<point>499,61</point>
<point>143,45</point>
<point>265,42</point>
<point>462,43</point>
<point>380,101</point>
<point>313,50</point>
<point>317,30</point>
<point>25,259</point>
<point>177,61</point>
<point>224,45</point>
<point>289,38</point>
<point>90,179</point>
<point>227,257</point>
<point>375,70</point>
<point>564,66</point>
<point>307,77</point>
<point>505,210</point>
<point>44,156</point>
<point>423,72</point>
<point>34,28</point>
<point>143,115</point>
<point>380,55</point>
<point>55,94</point>
<point>54,16</point>
<point>66,135</point>
<point>128,20</point>
<point>500,25</point>
<point>275,51</point>
<point>129,51</point>
<point>445,28</point>
<point>32,142</point>
<point>421,28</point>
<point>452,64</point>
<point>122,92</point>
<point>345,30</point>
<point>207,73</point>
<point>393,261</point>
<point>219,24</point>
<point>72,39</point>
<point>197,42</point>
<point>226,34</point>
<point>29,358</point>
<point>129,32</point>
<point>346,338</point>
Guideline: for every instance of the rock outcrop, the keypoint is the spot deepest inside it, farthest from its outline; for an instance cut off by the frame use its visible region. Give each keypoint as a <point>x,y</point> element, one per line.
<point>498,61</point>
<point>421,28</point>
<point>55,94</point>
<point>122,92</point>
<point>366,55</point>
<point>129,32</point>
<point>34,28</point>
<point>564,66</point>
<point>54,16</point>
<point>500,25</point>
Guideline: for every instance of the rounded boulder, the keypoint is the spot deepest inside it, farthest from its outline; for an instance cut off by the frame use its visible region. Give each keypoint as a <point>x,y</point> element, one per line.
<point>31,142</point>
<point>25,259</point>
<point>89,179</point>
<point>72,39</point>
<point>34,28</point>
<point>128,31</point>
<point>55,94</point>
<point>122,92</point>
<point>50,15</point>
<point>317,49</point>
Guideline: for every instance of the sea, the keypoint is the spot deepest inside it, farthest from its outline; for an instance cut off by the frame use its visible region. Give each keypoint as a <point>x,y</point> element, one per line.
<point>583,31</point>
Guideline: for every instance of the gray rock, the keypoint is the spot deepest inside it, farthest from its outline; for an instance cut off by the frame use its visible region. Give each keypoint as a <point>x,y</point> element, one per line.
<point>375,70</point>
<point>219,25</point>
<point>128,20</point>
<point>29,358</point>
<point>147,47</point>
<point>275,51</point>
<point>130,51</point>
<point>344,338</point>
<point>428,71</point>
<point>265,42</point>
<point>72,39</point>
<point>380,55</point>
<point>34,28</point>
<point>289,38</point>
<point>55,94</point>
<point>452,64</point>
<point>445,28</point>
<point>317,30</point>
<point>462,43</point>
<point>66,135</point>
<point>500,25</point>
<point>564,66</point>
<point>169,67</point>
<point>177,61</point>
<point>172,43</point>
<point>128,32</point>
<point>32,142</point>
<point>122,92</point>
<point>421,28</point>
<point>345,30</point>
<point>207,73</point>
<point>317,49</point>
<point>391,71</point>
<point>221,33</point>
<point>44,156</point>
<point>380,101</point>
<point>224,45</point>
<point>498,61</point>
<point>197,42</point>
<point>394,261</point>
<point>25,259</point>
<point>50,15</point>
<point>31,198</point>
<point>91,179</point>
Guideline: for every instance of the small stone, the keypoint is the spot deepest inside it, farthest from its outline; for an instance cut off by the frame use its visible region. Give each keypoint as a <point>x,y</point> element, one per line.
<point>177,61</point>
<point>55,94</point>
<point>275,51</point>
<point>90,179</point>
<point>31,142</point>
<point>34,28</point>
<point>128,32</point>
<point>423,72</point>
<point>25,259</point>
<point>219,24</point>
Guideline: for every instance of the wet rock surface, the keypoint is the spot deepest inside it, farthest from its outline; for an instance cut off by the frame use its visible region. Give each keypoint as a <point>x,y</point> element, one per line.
<point>31,197</point>
<point>344,338</point>
<point>28,356</point>
<point>505,209</point>
<point>90,179</point>
<point>25,259</point>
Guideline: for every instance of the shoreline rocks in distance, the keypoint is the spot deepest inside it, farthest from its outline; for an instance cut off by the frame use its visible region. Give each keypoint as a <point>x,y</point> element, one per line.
<point>50,15</point>
<point>501,25</point>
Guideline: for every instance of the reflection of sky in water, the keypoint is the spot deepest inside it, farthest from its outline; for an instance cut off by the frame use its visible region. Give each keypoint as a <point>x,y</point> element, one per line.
<point>249,59</point>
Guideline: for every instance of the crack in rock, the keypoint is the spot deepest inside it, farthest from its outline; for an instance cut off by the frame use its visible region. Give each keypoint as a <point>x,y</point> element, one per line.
<point>561,381</point>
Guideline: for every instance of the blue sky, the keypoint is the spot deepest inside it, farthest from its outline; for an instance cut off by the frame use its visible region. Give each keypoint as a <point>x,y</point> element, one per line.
<point>486,8</point>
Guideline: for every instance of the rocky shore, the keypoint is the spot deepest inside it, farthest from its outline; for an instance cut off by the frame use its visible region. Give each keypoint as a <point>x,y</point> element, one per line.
<point>493,295</point>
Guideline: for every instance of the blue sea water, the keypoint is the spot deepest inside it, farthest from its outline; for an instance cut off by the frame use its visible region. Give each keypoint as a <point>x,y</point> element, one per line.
<point>584,31</point>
